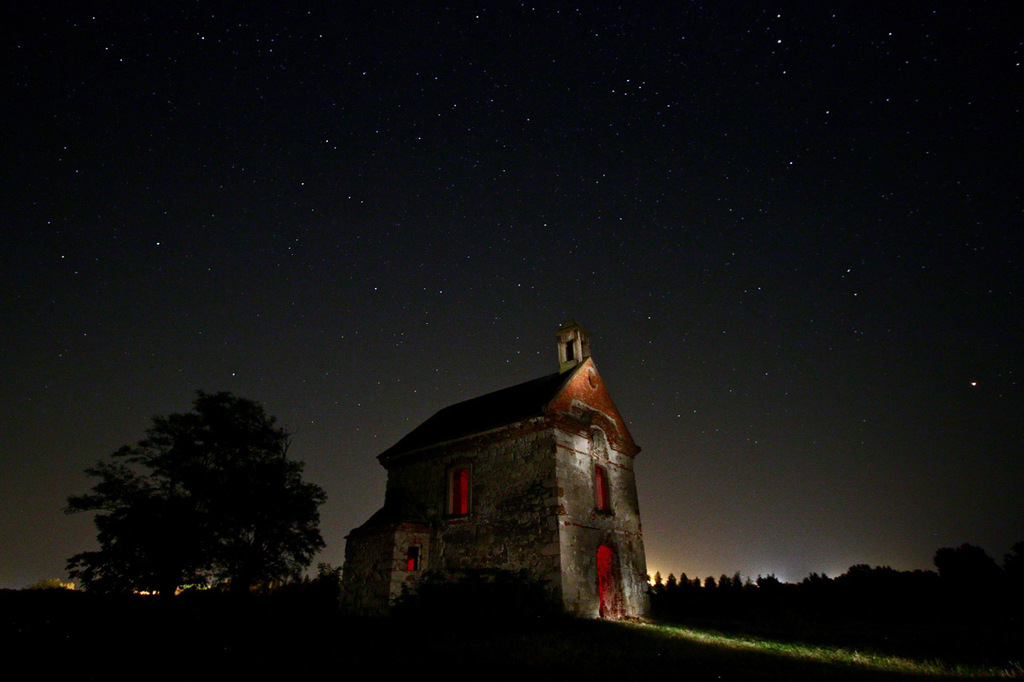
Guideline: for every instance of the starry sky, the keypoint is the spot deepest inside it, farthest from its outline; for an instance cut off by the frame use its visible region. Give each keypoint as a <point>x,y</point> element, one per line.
<point>792,228</point>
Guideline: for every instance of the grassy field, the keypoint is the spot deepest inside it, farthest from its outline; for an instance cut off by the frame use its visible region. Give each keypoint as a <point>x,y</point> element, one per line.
<point>75,637</point>
<point>846,657</point>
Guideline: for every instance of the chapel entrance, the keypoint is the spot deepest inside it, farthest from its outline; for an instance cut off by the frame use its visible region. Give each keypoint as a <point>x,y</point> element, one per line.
<point>607,583</point>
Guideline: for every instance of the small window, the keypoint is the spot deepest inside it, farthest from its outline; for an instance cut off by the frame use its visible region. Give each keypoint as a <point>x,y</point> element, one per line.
<point>412,562</point>
<point>458,491</point>
<point>570,351</point>
<point>602,499</point>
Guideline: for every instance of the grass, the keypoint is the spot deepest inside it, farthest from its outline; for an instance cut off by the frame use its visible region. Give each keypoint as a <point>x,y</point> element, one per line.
<point>74,637</point>
<point>838,656</point>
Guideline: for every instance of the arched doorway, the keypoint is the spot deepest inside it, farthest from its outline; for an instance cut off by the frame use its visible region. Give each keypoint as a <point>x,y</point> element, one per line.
<point>608,590</point>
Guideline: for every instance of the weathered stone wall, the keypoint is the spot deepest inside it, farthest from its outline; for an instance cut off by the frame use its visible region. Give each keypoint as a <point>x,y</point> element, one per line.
<point>366,579</point>
<point>376,565</point>
<point>511,523</point>
<point>406,536</point>
<point>583,528</point>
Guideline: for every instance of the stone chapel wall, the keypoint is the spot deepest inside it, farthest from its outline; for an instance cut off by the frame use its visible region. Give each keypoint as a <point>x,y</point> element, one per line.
<point>512,522</point>
<point>367,577</point>
<point>584,528</point>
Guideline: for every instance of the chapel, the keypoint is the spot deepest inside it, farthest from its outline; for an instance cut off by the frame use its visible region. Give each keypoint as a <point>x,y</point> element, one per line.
<point>536,477</point>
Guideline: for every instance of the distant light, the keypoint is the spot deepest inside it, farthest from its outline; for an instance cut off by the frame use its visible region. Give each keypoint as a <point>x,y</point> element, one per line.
<point>974,383</point>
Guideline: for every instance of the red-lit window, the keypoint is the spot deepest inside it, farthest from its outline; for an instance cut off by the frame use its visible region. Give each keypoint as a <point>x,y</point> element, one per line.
<point>602,499</point>
<point>412,561</point>
<point>458,491</point>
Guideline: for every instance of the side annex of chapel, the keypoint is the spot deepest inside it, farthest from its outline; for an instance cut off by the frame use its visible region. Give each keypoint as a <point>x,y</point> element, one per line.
<point>538,476</point>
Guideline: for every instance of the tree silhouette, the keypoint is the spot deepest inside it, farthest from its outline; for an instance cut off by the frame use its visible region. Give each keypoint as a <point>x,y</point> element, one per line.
<point>971,581</point>
<point>1013,570</point>
<point>1013,563</point>
<point>966,566</point>
<point>658,586</point>
<point>210,494</point>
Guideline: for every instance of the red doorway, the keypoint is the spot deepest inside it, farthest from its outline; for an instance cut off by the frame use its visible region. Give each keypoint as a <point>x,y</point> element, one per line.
<point>607,585</point>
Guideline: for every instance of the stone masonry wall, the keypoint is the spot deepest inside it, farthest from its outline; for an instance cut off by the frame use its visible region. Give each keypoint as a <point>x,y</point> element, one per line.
<point>366,578</point>
<point>583,528</point>
<point>402,577</point>
<point>512,521</point>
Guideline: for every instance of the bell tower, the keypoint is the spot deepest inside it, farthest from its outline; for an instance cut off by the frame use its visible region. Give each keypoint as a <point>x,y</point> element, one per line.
<point>573,346</point>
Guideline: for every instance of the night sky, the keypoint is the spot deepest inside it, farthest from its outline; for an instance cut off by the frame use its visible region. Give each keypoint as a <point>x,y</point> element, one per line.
<point>792,229</point>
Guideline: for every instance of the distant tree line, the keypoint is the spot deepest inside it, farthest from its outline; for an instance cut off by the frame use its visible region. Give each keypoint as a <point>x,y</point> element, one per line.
<point>967,584</point>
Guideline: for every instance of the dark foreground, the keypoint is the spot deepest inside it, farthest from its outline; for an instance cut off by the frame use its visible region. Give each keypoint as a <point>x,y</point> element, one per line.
<point>77,637</point>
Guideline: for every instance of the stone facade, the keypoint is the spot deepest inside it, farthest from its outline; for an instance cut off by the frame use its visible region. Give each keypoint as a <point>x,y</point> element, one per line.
<point>536,477</point>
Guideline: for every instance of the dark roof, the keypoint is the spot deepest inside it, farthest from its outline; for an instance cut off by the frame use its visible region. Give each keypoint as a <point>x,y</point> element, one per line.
<point>489,411</point>
<point>398,508</point>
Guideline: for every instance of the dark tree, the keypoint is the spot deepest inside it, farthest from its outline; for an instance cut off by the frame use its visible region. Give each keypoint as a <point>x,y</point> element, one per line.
<point>150,531</point>
<point>1013,563</point>
<point>966,566</point>
<point>1013,569</point>
<point>207,495</point>
<point>971,581</point>
<point>658,586</point>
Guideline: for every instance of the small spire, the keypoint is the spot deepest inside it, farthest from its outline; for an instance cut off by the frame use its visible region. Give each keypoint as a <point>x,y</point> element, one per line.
<point>573,346</point>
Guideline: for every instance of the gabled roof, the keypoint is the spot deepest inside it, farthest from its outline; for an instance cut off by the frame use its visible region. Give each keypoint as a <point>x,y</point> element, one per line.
<point>490,411</point>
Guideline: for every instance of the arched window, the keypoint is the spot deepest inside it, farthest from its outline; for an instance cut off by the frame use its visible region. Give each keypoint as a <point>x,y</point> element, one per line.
<point>602,491</point>
<point>458,491</point>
